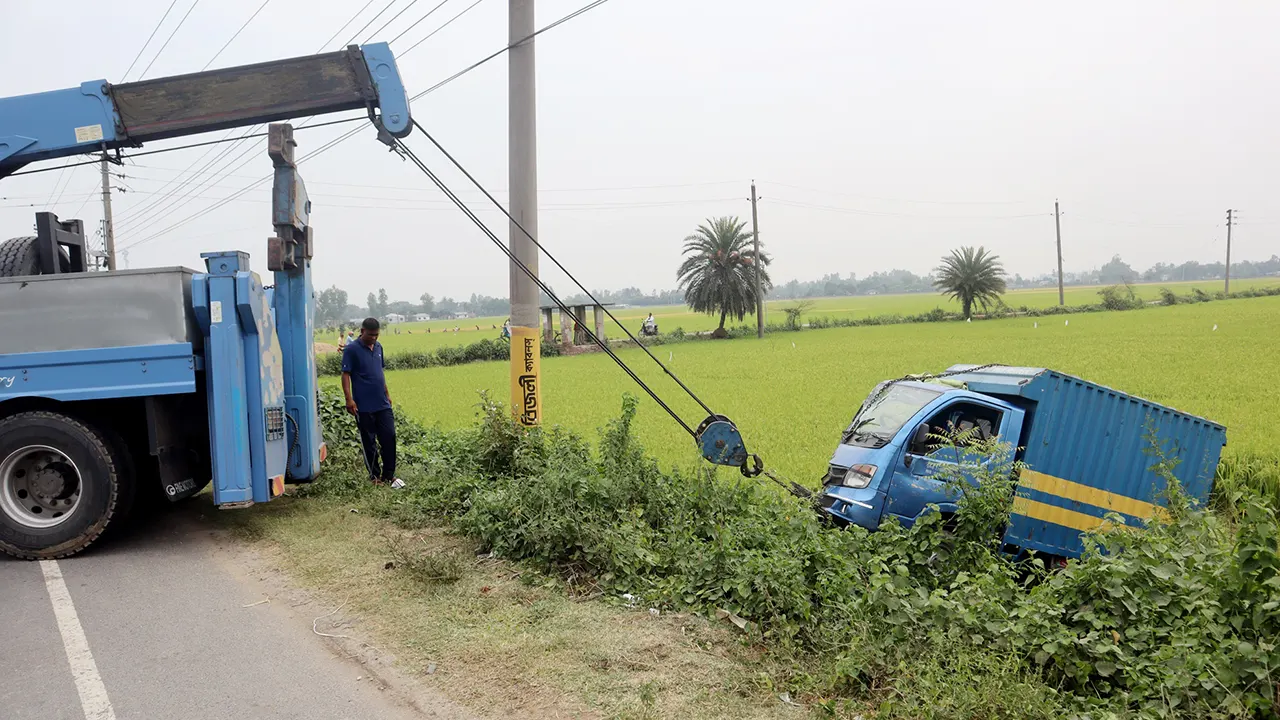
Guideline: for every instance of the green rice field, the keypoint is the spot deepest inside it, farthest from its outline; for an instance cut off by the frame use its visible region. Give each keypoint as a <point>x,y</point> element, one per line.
<point>415,336</point>
<point>792,393</point>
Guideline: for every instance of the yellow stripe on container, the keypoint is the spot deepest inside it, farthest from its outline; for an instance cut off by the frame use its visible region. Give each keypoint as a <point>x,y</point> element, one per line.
<point>1056,515</point>
<point>1108,501</point>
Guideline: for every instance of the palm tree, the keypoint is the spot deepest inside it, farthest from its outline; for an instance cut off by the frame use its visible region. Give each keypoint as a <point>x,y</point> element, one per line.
<point>719,270</point>
<point>972,277</point>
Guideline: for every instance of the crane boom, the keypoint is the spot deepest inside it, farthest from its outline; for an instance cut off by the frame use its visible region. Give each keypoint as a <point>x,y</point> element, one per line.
<point>98,116</point>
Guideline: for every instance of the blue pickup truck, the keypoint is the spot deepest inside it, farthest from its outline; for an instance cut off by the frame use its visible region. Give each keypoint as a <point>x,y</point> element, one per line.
<point>1083,446</point>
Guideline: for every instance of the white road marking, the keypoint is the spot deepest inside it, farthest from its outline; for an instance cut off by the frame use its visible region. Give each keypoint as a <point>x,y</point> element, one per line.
<point>93,694</point>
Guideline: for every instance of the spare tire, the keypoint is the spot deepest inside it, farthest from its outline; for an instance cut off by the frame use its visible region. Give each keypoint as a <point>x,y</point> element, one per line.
<point>18,257</point>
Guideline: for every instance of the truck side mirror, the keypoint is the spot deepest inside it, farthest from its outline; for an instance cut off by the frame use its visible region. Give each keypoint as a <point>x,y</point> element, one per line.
<point>919,439</point>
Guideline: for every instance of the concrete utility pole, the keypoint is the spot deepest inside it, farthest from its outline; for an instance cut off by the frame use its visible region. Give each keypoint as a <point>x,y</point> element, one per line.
<point>1226,283</point>
<point>755,231</point>
<point>108,229</point>
<point>1057,226</point>
<point>522,176</point>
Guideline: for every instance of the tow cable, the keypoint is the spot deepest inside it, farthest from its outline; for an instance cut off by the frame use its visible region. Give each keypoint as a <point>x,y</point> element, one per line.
<point>717,436</point>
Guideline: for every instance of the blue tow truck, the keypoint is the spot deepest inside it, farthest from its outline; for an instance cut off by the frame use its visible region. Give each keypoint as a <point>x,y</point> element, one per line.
<point>1084,447</point>
<point>122,386</point>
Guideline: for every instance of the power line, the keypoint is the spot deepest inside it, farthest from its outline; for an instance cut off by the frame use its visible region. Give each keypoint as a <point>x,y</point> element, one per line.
<point>169,39</point>
<point>356,34</point>
<point>173,149</point>
<point>447,23</point>
<point>414,24</point>
<point>135,214</point>
<point>548,206</point>
<point>158,206</point>
<point>58,181</point>
<point>148,42</point>
<point>542,285</point>
<point>211,60</point>
<point>403,10</point>
<point>419,189</point>
<point>345,24</point>
<point>523,40</point>
<point>332,143</point>
<point>236,35</point>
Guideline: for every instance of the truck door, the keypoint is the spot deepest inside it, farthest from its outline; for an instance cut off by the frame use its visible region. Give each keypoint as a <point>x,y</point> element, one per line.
<point>913,487</point>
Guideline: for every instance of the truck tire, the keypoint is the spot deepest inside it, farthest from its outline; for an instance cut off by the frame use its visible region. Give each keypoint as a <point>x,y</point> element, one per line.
<point>18,257</point>
<point>62,482</point>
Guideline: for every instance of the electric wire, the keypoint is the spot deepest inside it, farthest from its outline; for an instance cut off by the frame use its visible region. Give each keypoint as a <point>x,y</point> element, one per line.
<point>236,35</point>
<point>148,42</point>
<point>345,136</point>
<point>543,286</point>
<point>168,39</point>
<point>58,181</point>
<point>179,147</point>
<point>415,23</point>
<point>138,212</point>
<point>447,23</point>
<point>521,41</point>
<point>345,25</point>
<point>403,10</point>
<point>356,34</point>
<point>354,131</point>
<point>160,206</point>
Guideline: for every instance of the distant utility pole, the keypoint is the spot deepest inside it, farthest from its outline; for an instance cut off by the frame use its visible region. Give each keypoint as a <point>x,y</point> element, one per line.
<point>522,179</point>
<point>1057,226</point>
<point>755,231</point>
<point>1226,283</point>
<point>108,230</point>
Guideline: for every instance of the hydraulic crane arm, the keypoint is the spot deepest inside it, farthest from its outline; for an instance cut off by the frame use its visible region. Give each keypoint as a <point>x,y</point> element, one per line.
<point>101,116</point>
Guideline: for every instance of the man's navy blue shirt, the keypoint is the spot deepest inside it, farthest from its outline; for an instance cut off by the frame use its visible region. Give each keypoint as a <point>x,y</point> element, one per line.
<point>368,384</point>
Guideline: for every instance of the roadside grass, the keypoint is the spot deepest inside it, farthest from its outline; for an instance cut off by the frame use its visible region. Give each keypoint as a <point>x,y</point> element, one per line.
<point>501,640</point>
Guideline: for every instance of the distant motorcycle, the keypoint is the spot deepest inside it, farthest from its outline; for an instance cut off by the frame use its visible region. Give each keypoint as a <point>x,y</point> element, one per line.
<point>649,329</point>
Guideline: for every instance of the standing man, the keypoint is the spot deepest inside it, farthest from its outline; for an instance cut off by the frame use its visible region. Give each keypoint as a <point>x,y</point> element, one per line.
<point>365,387</point>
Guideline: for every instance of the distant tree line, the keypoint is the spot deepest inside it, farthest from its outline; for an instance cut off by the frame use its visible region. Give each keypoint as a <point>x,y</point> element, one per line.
<point>1114,271</point>
<point>333,307</point>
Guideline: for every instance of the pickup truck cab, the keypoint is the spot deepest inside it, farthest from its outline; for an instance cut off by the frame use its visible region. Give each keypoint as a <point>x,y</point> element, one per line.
<point>1085,448</point>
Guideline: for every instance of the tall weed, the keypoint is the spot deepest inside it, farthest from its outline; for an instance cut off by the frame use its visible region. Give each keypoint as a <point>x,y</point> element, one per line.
<point>1177,619</point>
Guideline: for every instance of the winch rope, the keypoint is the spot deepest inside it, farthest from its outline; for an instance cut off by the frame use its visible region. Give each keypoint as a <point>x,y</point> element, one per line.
<point>557,263</point>
<point>461,205</point>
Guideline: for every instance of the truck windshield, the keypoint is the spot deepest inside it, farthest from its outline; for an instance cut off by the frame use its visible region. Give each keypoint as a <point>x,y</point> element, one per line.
<point>878,422</point>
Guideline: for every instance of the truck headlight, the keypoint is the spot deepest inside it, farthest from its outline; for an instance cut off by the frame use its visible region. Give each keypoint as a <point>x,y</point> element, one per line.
<point>858,476</point>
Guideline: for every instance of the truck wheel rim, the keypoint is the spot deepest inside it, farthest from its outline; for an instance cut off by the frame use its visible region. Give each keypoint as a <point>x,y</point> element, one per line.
<point>39,486</point>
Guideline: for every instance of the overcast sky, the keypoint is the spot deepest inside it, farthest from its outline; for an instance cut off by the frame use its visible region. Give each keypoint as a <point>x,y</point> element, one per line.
<point>881,134</point>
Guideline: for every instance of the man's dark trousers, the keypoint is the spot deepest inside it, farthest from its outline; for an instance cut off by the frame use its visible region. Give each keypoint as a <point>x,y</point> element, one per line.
<point>378,429</point>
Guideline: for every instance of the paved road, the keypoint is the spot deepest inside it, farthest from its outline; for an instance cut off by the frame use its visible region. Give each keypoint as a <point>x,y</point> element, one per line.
<point>154,625</point>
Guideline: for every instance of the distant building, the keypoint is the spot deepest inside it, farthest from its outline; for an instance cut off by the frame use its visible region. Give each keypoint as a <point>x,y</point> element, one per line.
<point>463,315</point>
<point>394,318</point>
<point>421,317</point>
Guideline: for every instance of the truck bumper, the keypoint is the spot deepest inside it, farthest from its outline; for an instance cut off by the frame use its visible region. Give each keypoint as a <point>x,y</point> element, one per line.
<point>857,507</point>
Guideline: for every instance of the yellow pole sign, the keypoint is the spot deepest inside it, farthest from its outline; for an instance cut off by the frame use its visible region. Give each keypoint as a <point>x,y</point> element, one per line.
<point>526,375</point>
